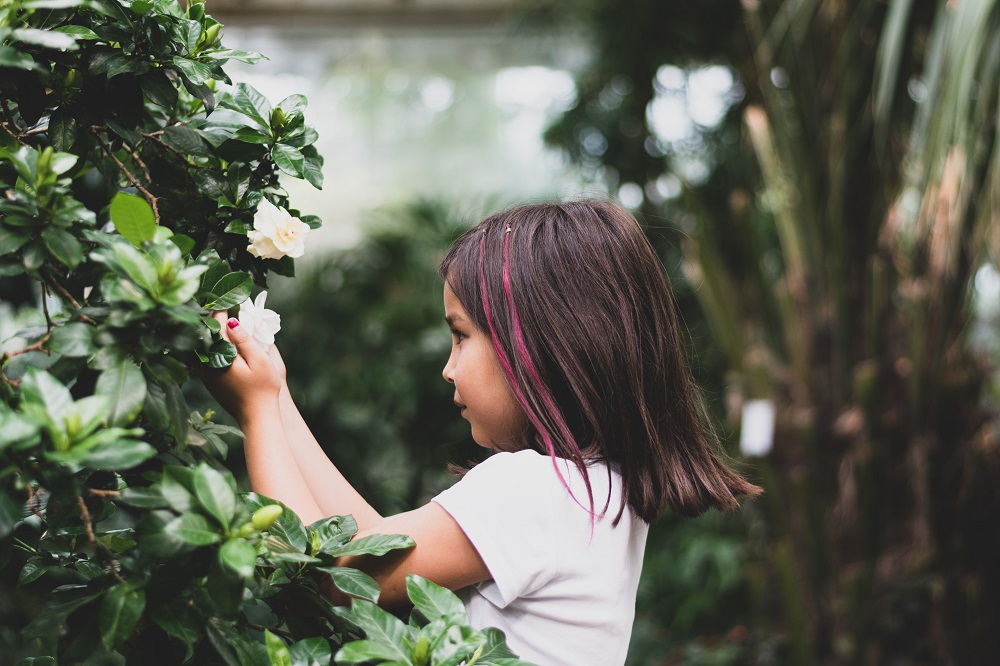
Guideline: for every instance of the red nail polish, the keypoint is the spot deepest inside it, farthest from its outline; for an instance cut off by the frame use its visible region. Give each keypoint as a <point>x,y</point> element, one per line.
<point>233,322</point>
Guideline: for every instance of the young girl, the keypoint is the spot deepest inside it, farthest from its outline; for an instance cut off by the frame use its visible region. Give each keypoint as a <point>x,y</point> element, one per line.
<point>568,364</point>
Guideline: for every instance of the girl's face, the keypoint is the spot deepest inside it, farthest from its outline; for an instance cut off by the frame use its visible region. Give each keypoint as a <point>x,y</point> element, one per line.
<point>481,391</point>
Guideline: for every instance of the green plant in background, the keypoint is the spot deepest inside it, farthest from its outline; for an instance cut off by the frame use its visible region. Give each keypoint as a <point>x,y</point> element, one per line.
<point>848,203</point>
<point>138,195</point>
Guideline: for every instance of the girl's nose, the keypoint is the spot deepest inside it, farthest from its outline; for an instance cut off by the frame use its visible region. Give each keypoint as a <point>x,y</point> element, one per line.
<point>449,371</point>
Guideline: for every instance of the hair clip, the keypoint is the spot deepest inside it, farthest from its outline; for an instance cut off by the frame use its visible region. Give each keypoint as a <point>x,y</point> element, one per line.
<point>508,229</point>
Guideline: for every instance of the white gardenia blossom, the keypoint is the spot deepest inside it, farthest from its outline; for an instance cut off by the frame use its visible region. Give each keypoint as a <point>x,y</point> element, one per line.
<point>258,321</point>
<point>276,233</point>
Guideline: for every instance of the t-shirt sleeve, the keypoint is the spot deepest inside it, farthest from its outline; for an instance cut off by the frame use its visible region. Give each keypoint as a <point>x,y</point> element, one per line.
<point>504,506</point>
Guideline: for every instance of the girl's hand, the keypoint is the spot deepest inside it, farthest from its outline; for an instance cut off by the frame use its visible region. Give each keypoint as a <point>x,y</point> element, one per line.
<point>251,384</point>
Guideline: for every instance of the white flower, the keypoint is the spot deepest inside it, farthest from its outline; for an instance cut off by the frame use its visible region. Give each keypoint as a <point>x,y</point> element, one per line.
<point>276,233</point>
<point>258,321</point>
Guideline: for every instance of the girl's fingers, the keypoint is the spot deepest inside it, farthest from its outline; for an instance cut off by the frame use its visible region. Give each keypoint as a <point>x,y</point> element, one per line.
<point>222,316</point>
<point>245,346</point>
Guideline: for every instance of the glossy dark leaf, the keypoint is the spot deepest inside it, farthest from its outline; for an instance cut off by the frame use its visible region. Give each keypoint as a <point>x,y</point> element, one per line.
<point>73,339</point>
<point>215,494</point>
<point>374,544</point>
<point>120,610</point>
<point>433,601</point>
<point>125,388</point>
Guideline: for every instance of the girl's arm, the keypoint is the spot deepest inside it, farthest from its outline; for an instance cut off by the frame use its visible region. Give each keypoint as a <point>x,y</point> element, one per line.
<point>333,493</point>
<point>251,390</point>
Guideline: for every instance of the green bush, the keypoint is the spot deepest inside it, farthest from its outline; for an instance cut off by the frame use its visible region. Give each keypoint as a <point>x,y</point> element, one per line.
<point>133,181</point>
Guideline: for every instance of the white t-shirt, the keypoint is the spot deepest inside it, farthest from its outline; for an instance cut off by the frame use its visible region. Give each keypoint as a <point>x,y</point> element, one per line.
<point>562,590</point>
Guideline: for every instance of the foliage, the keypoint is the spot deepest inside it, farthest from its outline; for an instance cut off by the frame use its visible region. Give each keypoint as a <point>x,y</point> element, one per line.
<point>131,170</point>
<point>832,245</point>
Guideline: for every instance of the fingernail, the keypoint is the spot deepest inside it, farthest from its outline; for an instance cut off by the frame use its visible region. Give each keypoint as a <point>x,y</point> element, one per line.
<point>233,322</point>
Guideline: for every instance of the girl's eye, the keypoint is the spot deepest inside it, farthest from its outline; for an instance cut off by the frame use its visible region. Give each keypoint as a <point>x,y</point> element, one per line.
<point>458,336</point>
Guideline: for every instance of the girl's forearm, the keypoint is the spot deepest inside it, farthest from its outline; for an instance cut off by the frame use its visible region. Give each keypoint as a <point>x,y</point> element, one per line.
<point>332,492</point>
<point>271,465</point>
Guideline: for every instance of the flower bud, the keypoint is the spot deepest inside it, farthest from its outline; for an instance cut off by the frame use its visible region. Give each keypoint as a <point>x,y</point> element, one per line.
<point>421,652</point>
<point>266,516</point>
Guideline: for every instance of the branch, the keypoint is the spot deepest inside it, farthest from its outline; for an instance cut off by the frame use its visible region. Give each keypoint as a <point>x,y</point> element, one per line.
<point>45,307</point>
<point>85,515</point>
<point>11,123</point>
<point>155,138</point>
<point>96,492</point>
<point>66,296</point>
<point>134,152</point>
<point>128,174</point>
<point>35,346</point>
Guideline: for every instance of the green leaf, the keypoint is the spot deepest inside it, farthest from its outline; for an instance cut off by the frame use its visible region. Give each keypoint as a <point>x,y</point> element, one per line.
<point>63,246</point>
<point>248,101</point>
<point>183,242</point>
<point>289,160</point>
<point>143,498</point>
<point>118,455</point>
<point>177,487</point>
<point>45,38</point>
<point>374,544</point>
<point>11,240</point>
<point>195,71</point>
<point>234,648</point>
<point>62,127</point>
<point>313,171</point>
<point>433,601</point>
<point>215,494</point>
<point>41,388</point>
<point>496,649</point>
<point>185,139</point>
<point>386,635</point>
<point>75,339</point>
<point>239,557</point>
<point>230,291</point>
<point>328,534</point>
<point>288,528</point>
<point>53,4</point>
<point>252,136</point>
<point>16,430</point>
<point>133,218</point>
<point>11,57</point>
<point>159,89</point>
<point>32,570</point>
<point>85,415</point>
<point>193,529</point>
<point>125,387</point>
<point>220,355</point>
<point>77,32</point>
<point>248,57</point>
<point>120,610</point>
<point>293,104</point>
<point>310,652</point>
<point>353,582</point>
<point>277,651</point>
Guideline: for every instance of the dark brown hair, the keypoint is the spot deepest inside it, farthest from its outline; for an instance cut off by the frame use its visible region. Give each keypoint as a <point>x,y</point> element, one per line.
<point>584,324</point>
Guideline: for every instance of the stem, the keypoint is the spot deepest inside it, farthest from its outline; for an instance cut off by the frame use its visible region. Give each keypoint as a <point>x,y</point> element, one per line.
<point>38,345</point>
<point>155,138</point>
<point>45,307</point>
<point>85,515</point>
<point>96,492</point>
<point>128,174</point>
<point>66,296</point>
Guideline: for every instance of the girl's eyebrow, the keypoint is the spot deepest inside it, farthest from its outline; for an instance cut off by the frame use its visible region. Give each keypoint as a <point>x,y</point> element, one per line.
<point>452,319</point>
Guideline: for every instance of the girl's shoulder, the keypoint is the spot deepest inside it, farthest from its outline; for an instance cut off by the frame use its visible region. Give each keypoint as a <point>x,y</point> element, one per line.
<point>545,481</point>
